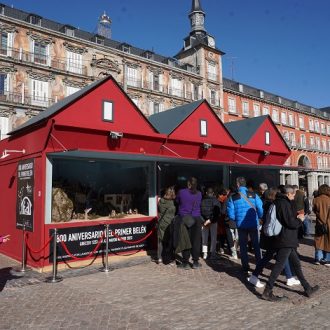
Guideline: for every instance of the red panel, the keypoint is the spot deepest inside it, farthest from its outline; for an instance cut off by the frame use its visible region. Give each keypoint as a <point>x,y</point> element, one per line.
<point>87,112</point>
<point>217,134</point>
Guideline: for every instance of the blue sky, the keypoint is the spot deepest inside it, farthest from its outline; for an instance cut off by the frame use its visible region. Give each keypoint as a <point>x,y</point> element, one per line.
<point>280,46</point>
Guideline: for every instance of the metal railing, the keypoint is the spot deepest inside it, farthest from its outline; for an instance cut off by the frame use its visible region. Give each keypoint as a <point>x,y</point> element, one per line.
<point>19,98</point>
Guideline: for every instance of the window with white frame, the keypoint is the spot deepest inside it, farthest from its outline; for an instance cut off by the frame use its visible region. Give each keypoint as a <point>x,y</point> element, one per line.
<point>303,141</point>
<point>286,136</point>
<point>155,81</point>
<point>203,127</point>
<point>108,111</point>
<point>319,162</point>
<point>74,62</point>
<point>293,138</point>
<point>40,52</point>
<point>6,43</point>
<point>176,87</point>
<point>267,138</point>
<point>317,126</point>
<point>39,92</point>
<point>212,71</point>
<point>71,90</point>
<point>291,120</point>
<point>328,129</point>
<point>312,141</point>
<point>132,76</point>
<point>195,91</point>
<point>4,84</point>
<point>213,97</point>
<point>231,105</point>
<point>325,162</point>
<point>323,128</point>
<point>155,106</point>
<point>256,110</point>
<point>324,145</point>
<point>311,125</point>
<point>283,118</point>
<point>275,116</point>
<point>245,109</point>
<point>328,145</point>
<point>301,122</point>
<point>318,143</point>
<point>265,110</point>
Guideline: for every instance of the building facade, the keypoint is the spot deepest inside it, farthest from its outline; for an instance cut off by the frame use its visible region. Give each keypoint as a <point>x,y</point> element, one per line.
<point>43,61</point>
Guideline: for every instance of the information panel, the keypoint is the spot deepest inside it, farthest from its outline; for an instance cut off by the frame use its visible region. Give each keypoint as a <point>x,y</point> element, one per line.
<point>80,241</point>
<point>25,189</point>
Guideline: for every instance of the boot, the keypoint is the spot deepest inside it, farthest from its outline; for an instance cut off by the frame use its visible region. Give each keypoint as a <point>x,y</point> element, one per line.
<point>269,296</point>
<point>310,290</point>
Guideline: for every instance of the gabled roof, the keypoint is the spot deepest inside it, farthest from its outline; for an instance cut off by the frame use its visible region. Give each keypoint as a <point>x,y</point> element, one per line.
<point>167,121</point>
<point>243,130</point>
<point>49,112</point>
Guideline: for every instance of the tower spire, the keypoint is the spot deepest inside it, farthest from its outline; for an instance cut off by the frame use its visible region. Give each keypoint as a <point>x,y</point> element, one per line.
<point>197,17</point>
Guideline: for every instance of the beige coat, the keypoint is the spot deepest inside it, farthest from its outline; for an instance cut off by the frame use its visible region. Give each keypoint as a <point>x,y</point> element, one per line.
<point>321,207</point>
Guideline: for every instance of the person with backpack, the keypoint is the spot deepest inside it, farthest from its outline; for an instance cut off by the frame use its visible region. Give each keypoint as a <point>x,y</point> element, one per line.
<point>285,244</point>
<point>245,208</point>
<point>266,237</point>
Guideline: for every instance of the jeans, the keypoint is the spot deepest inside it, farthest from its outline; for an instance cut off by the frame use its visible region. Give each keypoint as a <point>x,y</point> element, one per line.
<point>243,234</point>
<point>322,255</point>
<point>307,225</point>
<point>281,257</point>
<point>268,256</point>
<point>212,229</point>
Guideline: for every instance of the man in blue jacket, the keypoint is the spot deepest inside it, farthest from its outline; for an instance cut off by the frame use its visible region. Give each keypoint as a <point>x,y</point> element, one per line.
<point>245,208</point>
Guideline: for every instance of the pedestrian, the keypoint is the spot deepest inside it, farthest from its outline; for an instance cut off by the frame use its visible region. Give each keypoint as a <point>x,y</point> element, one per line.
<point>245,208</point>
<point>227,228</point>
<point>167,210</point>
<point>210,211</point>
<point>307,223</point>
<point>266,244</point>
<point>321,208</point>
<point>189,209</point>
<point>262,188</point>
<point>4,239</point>
<point>285,244</point>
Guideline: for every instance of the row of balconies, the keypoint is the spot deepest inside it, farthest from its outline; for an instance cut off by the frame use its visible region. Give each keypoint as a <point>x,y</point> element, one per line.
<point>44,60</point>
<point>19,98</point>
<point>306,146</point>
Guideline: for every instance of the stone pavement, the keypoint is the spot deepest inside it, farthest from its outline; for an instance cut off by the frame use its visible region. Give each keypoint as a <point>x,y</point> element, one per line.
<point>151,296</point>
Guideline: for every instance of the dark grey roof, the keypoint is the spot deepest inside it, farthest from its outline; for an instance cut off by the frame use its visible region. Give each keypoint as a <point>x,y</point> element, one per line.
<point>167,121</point>
<point>55,26</point>
<point>58,106</point>
<point>326,109</point>
<point>243,130</point>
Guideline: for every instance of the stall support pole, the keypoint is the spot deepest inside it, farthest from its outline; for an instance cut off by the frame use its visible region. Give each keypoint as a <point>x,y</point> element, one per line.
<point>106,268</point>
<point>23,268</point>
<point>54,278</point>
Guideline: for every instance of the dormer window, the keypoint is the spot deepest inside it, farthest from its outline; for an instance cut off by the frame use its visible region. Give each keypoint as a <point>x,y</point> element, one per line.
<point>98,39</point>
<point>148,54</point>
<point>125,48</point>
<point>68,30</point>
<point>34,19</point>
<point>2,10</point>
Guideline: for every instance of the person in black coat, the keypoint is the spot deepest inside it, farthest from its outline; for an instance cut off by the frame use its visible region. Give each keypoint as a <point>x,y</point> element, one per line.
<point>286,244</point>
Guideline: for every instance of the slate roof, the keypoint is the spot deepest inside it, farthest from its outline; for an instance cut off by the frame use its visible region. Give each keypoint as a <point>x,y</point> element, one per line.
<point>58,106</point>
<point>167,121</point>
<point>243,130</point>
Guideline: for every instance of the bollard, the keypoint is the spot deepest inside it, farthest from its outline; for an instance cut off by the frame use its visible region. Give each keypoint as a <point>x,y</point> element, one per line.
<point>106,268</point>
<point>54,278</point>
<point>23,268</point>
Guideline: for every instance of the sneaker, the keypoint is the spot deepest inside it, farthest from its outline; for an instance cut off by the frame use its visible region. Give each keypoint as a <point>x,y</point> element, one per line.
<point>222,251</point>
<point>311,290</point>
<point>292,281</point>
<point>255,281</point>
<point>159,261</point>
<point>317,262</point>
<point>327,263</point>
<point>233,257</point>
<point>196,265</point>
<point>184,266</point>
<point>205,255</point>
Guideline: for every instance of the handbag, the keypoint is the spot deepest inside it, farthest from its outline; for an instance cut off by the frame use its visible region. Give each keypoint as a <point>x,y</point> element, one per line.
<point>321,229</point>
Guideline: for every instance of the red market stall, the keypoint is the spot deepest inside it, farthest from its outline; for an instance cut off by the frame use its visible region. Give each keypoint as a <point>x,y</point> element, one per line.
<point>93,159</point>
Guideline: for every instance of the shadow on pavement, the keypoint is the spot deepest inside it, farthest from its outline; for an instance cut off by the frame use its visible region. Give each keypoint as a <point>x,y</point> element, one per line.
<point>6,275</point>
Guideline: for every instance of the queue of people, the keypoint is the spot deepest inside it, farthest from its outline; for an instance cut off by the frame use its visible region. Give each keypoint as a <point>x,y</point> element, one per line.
<point>189,218</point>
